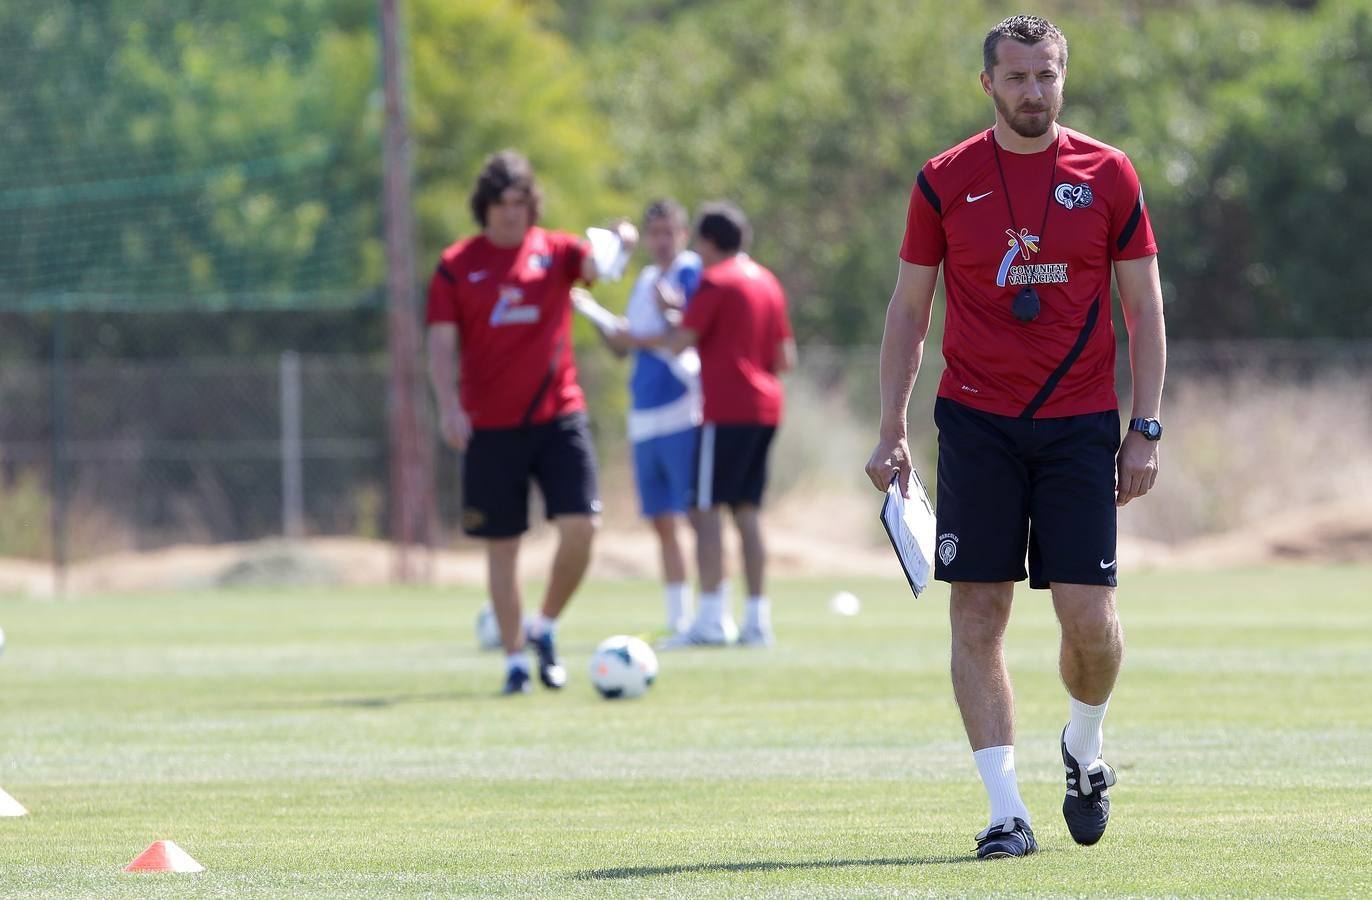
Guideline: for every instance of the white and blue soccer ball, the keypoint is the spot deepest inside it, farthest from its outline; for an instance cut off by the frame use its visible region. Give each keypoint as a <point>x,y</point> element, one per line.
<point>623,667</point>
<point>487,628</point>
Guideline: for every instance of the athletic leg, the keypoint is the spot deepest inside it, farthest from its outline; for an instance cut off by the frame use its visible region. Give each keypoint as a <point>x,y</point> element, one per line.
<point>979,612</point>
<point>757,620</point>
<point>748,521</point>
<point>675,588</point>
<point>576,534</point>
<point>502,558</point>
<point>1089,660</point>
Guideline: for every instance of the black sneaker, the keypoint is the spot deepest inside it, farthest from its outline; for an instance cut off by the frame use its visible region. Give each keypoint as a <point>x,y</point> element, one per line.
<point>550,671</point>
<point>1009,837</point>
<point>517,682</point>
<point>1086,808</point>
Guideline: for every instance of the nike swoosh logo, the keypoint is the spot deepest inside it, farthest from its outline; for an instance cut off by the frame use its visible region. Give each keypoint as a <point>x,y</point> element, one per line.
<point>475,276</point>
<point>971,199</point>
<point>1107,565</point>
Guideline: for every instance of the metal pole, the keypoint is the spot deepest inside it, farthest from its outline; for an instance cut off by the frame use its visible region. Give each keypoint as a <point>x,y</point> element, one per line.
<point>292,465</point>
<point>59,476</point>
<point>411,474</point>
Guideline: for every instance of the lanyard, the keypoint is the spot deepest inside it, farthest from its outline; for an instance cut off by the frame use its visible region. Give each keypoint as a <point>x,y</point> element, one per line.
<point>1052,176</point>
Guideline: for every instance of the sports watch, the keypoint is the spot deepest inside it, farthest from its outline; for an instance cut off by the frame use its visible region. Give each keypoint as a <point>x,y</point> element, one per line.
<point>1150,428</point>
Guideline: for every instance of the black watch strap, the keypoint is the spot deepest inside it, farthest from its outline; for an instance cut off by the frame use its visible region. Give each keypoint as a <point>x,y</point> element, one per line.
<point>1149,427</point>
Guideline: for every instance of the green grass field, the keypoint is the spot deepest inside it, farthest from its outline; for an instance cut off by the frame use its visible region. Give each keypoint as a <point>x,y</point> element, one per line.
<point>350,742</point>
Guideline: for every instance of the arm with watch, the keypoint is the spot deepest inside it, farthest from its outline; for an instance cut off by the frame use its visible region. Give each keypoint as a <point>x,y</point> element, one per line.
<point>1140,290</point>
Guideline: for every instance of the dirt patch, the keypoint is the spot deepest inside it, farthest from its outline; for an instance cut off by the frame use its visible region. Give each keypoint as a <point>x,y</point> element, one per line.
<point>820,539</point>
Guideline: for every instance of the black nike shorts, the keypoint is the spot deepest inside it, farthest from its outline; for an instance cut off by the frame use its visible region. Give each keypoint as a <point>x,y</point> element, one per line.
<point>1007,485</point>
<point>501,462</point>
<point>731,464</point>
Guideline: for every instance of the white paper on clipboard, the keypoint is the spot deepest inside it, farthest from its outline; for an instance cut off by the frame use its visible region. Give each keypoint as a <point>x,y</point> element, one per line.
<point>910,526</point>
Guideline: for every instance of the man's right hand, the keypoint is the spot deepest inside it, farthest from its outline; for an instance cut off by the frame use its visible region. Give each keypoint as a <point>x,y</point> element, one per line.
<point>891,457</point>
<point>455,426</point>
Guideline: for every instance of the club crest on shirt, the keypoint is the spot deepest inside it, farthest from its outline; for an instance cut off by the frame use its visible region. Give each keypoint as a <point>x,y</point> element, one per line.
<point>1072,196</point>
<point>1025,246</point>
<point>510,309</point>
<point>540,262</point>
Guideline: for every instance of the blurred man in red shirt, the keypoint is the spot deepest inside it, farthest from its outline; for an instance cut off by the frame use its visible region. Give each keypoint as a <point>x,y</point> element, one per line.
<point>515,409</point>
<point>738,322</point>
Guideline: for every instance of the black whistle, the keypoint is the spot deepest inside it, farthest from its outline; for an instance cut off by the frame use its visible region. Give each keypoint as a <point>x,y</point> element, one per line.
<point>1026,304</point>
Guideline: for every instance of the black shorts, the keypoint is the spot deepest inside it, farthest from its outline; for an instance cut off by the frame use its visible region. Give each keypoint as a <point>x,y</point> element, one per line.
<point>731,464</point>
<point>1006,483</point>
<point>500,462</point>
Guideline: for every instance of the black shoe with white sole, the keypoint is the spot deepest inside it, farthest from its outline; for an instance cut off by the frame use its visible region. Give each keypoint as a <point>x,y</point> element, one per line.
<point>1006,838</point>
<point>1086,808</point>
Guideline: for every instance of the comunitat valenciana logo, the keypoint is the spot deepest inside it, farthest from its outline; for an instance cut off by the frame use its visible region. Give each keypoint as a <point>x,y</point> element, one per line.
<point>510,309</point>
<point>1025,246</point>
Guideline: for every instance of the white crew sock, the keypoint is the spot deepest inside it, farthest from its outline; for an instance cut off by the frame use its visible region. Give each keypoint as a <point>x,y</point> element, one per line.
<point>540,625</point>
<point>678,606</point>
<point>516,660</point>
<point>997,768</point>
<point>1084,736</point>
<point>712,607</point>
<point>759,613</point>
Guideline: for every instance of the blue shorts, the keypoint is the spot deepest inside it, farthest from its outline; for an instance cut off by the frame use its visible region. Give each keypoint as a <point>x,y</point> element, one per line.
<point>664,467</point>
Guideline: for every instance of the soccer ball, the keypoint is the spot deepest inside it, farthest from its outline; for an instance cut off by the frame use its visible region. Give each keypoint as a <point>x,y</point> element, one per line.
<point>487,629</point>
<point>622,667</point>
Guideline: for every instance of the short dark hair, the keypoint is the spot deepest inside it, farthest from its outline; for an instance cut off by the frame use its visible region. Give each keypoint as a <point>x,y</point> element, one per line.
<point>666,208</point>
<point>723,224</point>
<point>1026,30</point>
<point>502,171</point>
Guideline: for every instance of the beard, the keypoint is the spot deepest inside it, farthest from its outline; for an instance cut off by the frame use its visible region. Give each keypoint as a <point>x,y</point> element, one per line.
<point>1030,123</point>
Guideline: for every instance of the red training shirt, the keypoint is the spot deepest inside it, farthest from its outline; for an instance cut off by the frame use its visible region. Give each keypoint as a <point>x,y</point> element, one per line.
<point>1063,362</point>
<point>512,307</point>
<point>739,314</point>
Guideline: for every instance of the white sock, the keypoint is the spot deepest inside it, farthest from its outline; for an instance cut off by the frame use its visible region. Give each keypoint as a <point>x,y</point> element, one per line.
<point>516,660</point>
<point>678,606</point>
<point>759,613</point>
<point>712,606</point>
<point>1084,737</point>
<point>997,768</point>
<point>540,625</point>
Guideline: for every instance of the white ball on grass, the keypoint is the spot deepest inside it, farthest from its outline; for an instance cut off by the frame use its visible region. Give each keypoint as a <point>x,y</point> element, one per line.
<point>622,667</point>
<point>845,604</point>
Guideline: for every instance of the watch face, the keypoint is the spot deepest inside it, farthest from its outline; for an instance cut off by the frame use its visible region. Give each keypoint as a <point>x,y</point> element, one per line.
<point>1154,430</point>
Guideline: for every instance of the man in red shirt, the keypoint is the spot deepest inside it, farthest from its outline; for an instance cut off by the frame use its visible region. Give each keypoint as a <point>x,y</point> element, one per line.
<point>739,324</point>
<point>1029,220</point>
<point>515,409</point>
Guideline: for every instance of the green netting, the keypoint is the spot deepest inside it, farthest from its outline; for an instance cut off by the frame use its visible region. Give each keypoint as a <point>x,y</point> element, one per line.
<point>182,156</point>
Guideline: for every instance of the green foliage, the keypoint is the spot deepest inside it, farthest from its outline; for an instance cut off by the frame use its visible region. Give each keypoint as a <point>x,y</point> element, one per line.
<point>227,156</point>
<point>1247,122</point>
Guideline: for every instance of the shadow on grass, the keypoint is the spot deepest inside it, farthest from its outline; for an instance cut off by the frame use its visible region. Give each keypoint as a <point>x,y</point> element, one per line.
<point>763,866</point>
<point>381,702</point>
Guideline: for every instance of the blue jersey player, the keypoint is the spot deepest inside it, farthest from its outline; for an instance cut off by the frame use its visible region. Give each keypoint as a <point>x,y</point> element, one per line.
<point>665,398</point>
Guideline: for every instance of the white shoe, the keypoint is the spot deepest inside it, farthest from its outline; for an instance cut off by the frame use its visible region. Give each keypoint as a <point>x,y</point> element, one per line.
<point>704,634</point>
<point>756,636</point>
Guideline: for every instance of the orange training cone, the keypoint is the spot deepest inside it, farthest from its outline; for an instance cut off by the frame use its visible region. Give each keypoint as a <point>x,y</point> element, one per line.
<point>164,856</point>
<point>10,806</point>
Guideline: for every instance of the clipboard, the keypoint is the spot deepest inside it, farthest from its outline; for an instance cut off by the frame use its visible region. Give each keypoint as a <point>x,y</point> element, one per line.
<point>910,524</point>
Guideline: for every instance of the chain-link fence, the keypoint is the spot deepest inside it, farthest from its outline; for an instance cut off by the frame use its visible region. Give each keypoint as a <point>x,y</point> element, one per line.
<point>108,456</point>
